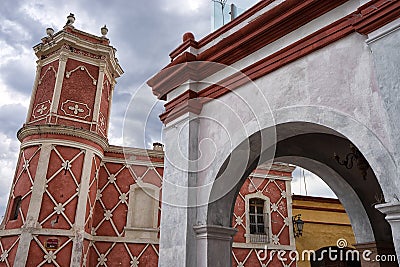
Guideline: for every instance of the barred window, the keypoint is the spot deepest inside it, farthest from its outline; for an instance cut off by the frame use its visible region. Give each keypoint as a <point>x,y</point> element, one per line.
<point>15,208</point>
<point>257,216</point>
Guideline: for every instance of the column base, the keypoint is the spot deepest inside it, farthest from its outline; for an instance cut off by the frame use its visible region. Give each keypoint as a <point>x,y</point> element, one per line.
<point>392,212</point>
<point>377,254</point>
<point>214,245</point>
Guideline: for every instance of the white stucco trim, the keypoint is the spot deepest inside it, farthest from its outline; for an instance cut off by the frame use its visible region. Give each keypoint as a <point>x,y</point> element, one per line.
<point>121,239</point>
<point>79,224</point>
<point>269,176</point>
<point>61,142</point>
<point>384,31</point>
<point>34,90</point>
<point>294,36</point>
<point>99,93</point>
<point>269,246</point>
<point>62,63</point>
<point>360,223</point>
<point>133,162</point>
<point>49,60</point>
<point>148,233</point>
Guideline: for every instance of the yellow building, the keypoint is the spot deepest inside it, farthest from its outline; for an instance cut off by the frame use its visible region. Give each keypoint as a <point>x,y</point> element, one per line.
<point>325,222</point>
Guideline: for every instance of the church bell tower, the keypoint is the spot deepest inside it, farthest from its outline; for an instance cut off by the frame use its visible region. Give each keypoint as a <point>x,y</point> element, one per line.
<point>50,209</point>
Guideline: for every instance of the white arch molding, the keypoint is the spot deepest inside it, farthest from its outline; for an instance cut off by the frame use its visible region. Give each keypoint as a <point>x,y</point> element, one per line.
<point>348,197</point>
<point>377,155</point>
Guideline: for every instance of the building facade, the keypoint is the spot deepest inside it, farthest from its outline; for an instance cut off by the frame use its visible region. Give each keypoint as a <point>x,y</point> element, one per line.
<point>76,200</point>
<point>326,224</point>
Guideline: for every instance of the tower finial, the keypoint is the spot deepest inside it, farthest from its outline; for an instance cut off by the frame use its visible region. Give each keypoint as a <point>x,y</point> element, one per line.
<point>104,30</point>
<point>70,19</point>
<point>49,32</point>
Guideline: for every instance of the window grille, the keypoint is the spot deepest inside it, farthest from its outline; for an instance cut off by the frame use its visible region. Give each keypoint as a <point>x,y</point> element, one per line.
<point>258,221</point>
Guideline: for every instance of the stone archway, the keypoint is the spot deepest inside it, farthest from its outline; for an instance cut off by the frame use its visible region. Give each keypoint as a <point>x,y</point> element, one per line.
<point>303,71</point>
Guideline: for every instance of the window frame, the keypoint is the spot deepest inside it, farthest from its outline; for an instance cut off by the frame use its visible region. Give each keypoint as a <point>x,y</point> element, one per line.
<point>267,218</point>
<point>259,203</point>
<point>147,233</point>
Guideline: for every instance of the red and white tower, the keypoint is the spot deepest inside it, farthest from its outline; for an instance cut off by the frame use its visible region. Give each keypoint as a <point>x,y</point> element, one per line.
<point>52,197</point>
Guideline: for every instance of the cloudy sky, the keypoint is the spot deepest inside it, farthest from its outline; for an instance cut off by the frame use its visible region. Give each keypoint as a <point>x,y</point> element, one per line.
<point>144,32</point>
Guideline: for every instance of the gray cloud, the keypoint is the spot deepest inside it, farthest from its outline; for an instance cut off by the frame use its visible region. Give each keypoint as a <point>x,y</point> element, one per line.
<point>12,117</point>
<point>19,78</point>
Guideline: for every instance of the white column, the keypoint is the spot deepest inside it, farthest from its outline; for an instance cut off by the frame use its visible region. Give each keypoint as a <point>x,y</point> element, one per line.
<point>99,92</point>
<point>59,80</point>
<point>35,85</point>
<point>178,216</point>
<point>79,225</point>
<point>392,211</point>
<point>109,104</point>
<point>34,206</point>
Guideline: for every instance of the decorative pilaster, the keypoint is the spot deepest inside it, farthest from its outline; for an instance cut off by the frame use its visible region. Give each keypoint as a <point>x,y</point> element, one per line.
<point>35,85</point>
<point>109,104</point>
<point>177,237</point>
<point>99,92</point>
<point>34,206</point>
<point>59,80</point>
<point>79,226</point>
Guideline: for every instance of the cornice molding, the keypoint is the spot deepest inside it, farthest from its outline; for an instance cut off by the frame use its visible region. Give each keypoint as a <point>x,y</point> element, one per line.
<point>135,151</point>
<point>63,37</point>
<point>316,199</point>
<point>26,131</point>
<point>128,161</point>
<point>277,166</point>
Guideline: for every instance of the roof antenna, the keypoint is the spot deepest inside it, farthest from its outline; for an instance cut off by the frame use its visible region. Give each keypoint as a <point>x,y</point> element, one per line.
<point>305,184</point>
<point>223,4</point>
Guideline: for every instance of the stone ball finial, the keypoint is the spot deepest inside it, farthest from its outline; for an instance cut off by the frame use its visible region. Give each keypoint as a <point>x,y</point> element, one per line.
<point>188,36</point>
<point>158,146</point>
<point>104,30</point>
<point>70,19</point>
<point>49,32</point>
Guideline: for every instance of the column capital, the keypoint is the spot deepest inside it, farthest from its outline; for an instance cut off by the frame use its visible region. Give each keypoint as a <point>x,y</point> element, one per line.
<point>215,232</point>
<point>64,56</point>
<point>39,64</point>
<point>102,66</point>
<point>391,210</point>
